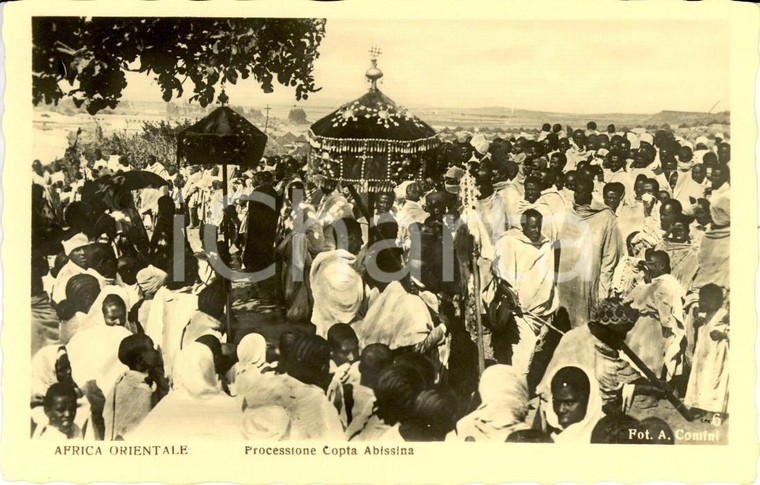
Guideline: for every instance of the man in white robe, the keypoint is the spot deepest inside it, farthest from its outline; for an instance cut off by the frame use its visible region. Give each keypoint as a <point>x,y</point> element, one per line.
<point>525,260</point>
<point>410,213</point>
<point>658,335</point>
<point>591,249</point>
<point>715,245</point>
<point>690,187</point>
<point>708,382</point>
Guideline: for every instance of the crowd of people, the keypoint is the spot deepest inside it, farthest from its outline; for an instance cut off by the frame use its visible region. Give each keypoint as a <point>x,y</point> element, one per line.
<point>525,289</point>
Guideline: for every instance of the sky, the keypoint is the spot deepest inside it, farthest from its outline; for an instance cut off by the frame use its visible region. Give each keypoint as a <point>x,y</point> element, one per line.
<point>557,66</point>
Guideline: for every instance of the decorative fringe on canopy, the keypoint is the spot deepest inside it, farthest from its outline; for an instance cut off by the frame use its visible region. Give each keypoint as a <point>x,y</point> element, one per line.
<point>371,145</point>
<point>362,186</point>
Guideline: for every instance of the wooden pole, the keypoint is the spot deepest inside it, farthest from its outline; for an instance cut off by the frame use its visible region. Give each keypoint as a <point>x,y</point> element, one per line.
<point>227,283</point>
<point>616,341</point>
<point>370,205</point>
<point>669,394</point>
<point>478,313</point>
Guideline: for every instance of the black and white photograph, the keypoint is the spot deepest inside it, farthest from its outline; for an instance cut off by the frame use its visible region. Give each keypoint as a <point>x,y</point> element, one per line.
<point>376,233</point>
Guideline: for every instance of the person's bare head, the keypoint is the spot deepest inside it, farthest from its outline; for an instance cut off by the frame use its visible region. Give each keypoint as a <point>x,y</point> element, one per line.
<point>657,264</point>
<point>60,405</point>
<point>531,221</point>
<point>584,188</point>
<point>698,173</point>
<point>384,202</point>
<point>558,161</point>
<point>413,192</point>
<point>710,298</point>
<point>724,152</point>
<point>435,203</point>
<point>533,187</point>
<point>114,311</point>
<point>374,359</point>
<point>670,210</point>
<point>719,175</point>
<point>679,229</point>
<point>613,194</point>
<point>344,344</point>
<point>702,212</point>
<point>579,138</point>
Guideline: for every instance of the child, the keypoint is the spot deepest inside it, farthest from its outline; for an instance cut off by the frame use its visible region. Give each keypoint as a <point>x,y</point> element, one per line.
<point>628,272</point>
<point>138,390</point>
<point>374,359</point>
<point>707,391</point>
<point>60,406</point>
<point>344,355</point>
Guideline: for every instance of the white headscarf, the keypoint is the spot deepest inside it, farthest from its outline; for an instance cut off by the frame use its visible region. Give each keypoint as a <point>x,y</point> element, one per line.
<point>150,279</point>
<point>43,368</point>
<point>504,396</point>
<point>338,290</point>
<point>252,353</point>
<point>579,432</point>
<point>194,372</point>
<point>266,423</point>
<point>95,315</point>
<point>77,241</point>
<point>480,143</point>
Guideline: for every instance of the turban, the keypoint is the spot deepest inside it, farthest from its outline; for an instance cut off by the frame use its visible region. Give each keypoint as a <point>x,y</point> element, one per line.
<point>633,139</point>
<point>150,279</point>
<point>720,135</point>
<point>77,241</point>
<point>480,143</point>
<point>454,173</point>
<point>602,152</point>
<point>703,140</point>
<point>646,138</point>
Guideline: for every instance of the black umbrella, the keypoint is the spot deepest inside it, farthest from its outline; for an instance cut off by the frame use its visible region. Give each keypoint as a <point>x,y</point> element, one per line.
<point>222,137</point>
<point>105,188</point>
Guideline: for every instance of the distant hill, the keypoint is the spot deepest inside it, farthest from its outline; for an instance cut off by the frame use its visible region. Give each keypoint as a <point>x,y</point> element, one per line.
<point>526,119</point>
<point>688,118</point>
<point>492,117</point>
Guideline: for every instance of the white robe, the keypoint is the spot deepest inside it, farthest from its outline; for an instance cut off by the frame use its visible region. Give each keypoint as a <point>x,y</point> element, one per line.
<point>708,382</point>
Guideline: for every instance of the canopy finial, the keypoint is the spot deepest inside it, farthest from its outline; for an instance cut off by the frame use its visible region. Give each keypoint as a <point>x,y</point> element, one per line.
<point>223,98</point>
<point>373,73</point>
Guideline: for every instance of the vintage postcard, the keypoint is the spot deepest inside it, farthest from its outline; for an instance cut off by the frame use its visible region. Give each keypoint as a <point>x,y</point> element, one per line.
<point>428,243</point>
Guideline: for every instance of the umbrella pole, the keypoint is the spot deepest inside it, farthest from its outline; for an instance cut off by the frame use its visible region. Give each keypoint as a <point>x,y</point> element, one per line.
<point>227,283</point>
<point>370,204</point>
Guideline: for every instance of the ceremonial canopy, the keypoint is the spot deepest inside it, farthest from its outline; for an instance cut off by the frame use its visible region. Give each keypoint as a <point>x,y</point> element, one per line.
<point>371,142</point>
<point>222,137</point>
